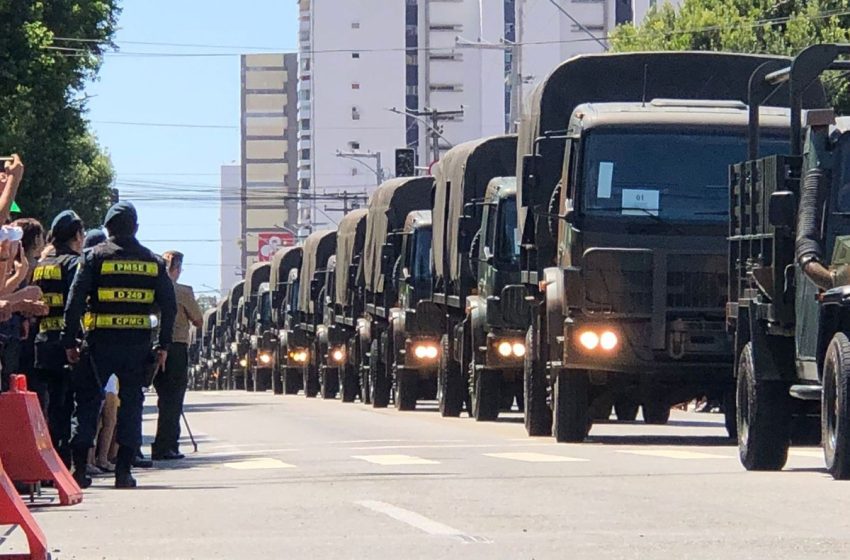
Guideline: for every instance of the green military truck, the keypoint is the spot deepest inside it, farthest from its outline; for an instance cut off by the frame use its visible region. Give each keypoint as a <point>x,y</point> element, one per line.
<point>318,248</point>
<point>472,367</point>
<point>415,342</point>
<point>345,303</point>
<point>289,357</point>
<point>207,358</point>
<point>259,373</point>
<point>389,207</point>
<point>623,209</point>
<point>789,290</point>
<point>221,345</point>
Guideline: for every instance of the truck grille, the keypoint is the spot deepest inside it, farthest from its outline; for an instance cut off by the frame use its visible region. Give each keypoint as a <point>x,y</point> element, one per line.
<point>618,281</point>
<point>696,282</point>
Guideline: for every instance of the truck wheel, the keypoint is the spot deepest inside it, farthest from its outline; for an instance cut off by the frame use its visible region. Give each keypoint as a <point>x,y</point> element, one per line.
<point>730,413</point>
<point>656,412</point>
<point>406,390</point>
<point>329,382</point>
<point>378,383</point>
<point>348,383</point>
<point>763,418</point>
<point>835,407</point>
<point>291,381</point>
<point>277,381</point>
<point>538,416</point>
<point>571,415</point>
<point>311,381</point>
<point>486,395</point>
<point>626,410</point>
<point>248,378</point>
<point>450,392</point>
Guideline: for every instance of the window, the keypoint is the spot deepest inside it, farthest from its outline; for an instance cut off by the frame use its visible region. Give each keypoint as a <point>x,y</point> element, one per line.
<point>354,145</point>
<point>355,85</point>
<point>305,124</point>
<point>305,154</point>
<point>355,55</point>
<point>457,57</point>
<point>355,114</point>
<point>355,25</point>
<point>446,87</point>
<point>445,27</point>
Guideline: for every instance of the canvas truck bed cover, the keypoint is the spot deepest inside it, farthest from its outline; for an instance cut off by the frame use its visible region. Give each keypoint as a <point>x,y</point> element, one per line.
<point>317,249</point>
<point>209,321</point>
<point>350,237</point>
<point>236,293</point>
<point>221,310</point>
<point>388,209</point>
<point>258,273</point>
<point>462,176</point>
<point>632,77</point>
<point>282,262</point>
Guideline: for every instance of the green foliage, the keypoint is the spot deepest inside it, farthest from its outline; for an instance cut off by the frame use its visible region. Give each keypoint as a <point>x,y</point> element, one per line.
<point>782,27</point>
<point>42,75</point>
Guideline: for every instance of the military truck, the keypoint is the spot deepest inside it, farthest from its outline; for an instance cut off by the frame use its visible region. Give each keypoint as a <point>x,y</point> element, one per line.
<point>789,289</point>
<point>389,207</point>
<point>207,357</point>
<point>472,367</point>
<point>345,302</point>
<point>243,345</point>
<point>415,349</point>
<point>623,222</point>
<point>318,248</point>
<point>283,285</point>
<point>221,345</point>
<point>259,375</point>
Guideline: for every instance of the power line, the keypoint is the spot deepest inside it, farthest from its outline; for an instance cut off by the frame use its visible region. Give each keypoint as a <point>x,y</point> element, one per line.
<point>169,125</point>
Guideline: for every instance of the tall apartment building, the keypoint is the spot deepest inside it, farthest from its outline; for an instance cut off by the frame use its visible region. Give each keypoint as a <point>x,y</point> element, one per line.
<point>269,185</point>
<point>230,224</point>
<point>351,72</point>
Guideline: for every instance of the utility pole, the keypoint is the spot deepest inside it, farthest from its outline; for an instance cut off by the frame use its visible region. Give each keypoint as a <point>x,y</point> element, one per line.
<point>378,170</point>
<point>346,207</point>
<point>432,118</point>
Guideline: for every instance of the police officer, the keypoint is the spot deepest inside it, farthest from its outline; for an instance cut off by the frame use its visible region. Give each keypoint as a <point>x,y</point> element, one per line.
<point>122,282</point>
<point>54,274</point>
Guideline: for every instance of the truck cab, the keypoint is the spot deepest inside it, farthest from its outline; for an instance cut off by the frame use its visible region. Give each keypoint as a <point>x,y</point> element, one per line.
<point>259,374</point>
<point>283,294</point>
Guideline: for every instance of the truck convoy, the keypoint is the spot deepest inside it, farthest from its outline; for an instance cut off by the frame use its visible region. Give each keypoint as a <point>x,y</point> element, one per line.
<point>591,262</point>
<point>259,371</point>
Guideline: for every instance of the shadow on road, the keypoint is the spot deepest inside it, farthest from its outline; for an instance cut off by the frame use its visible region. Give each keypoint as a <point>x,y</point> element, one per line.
<point>676,441</point>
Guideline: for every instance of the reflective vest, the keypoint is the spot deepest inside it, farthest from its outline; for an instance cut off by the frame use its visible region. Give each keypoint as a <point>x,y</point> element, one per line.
<point>125,289</point>
<point>49,275</point>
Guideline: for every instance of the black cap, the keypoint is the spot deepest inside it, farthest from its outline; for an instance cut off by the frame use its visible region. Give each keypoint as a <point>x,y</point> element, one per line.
<point>94,237</point>
<point>64,223</point>
<point>122,216</point>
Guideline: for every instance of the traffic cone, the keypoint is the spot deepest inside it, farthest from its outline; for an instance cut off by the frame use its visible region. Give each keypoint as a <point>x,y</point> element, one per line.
<point>13,511</point>
<point>25,446</point>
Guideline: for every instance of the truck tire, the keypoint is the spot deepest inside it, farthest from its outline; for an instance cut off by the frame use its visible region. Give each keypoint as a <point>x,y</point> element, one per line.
<point>379,389</point>
<point>291,381</point>
<point>730,413</point>
<point>835,407</point>
<point>406,390</point>
<point>311,381</point>
<point>329,383</point>
<point>571,411</point>
<point>248,376</point>
<point>348,383</point>
<point>262,379</point>
<point>277,381</point>
<point>486,394</point>
<point>763,418</point>
<point>656,412</point>
<point>626,410</point>
<point>450,391</point>
<point>538,415</point>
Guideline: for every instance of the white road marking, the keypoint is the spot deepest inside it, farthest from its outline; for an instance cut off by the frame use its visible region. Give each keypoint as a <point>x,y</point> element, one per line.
<point>674,454</point>
<point>420,522</point>
<point>535,457</point>
<point>361,441</point>
<point>809,453</point>
<point>395,460</point>
<point>449,446</point>
<point>258,465</point>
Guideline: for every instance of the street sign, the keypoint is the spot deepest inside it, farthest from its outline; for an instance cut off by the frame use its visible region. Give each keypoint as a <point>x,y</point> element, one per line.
<point>270,241</point>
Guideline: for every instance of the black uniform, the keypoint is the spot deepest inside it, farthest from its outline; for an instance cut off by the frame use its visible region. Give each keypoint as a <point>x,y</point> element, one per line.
<point>54,275</point>
<point>122,282</point>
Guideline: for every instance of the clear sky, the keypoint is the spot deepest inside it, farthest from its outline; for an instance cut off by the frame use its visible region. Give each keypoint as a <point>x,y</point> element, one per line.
<point>174,86</point>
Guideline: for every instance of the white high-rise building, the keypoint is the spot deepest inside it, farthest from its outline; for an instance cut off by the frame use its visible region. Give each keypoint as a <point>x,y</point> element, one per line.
<point>230,220</point>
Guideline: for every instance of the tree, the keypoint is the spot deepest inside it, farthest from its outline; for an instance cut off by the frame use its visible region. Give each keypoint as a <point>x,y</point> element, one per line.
<point>50,49</point>
<point>782,27</point>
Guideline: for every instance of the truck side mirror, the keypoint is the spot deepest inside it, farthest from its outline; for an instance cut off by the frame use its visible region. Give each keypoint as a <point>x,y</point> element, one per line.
<point>530,167</point>
<point>782,209</point>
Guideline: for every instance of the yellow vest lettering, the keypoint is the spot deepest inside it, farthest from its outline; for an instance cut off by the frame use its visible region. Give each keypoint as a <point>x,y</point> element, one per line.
<point>131,295</point>
<point>130,268</point>
<point>47,272</point>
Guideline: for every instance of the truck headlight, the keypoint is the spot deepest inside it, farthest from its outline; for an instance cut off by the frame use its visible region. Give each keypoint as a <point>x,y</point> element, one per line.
<point>338,355</point>
<point>605,340</point>
<point>265,358</point>
<point>243,362</point>
<point>425,351</point>
<point>505,349</point>
<point>519,349</point>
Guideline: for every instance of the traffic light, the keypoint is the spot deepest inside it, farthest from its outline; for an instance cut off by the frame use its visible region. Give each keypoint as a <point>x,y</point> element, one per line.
<point>405,162</point>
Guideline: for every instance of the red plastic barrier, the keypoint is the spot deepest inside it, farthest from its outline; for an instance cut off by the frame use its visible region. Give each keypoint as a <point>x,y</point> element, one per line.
<point>13,511</point>
<point>25,446</point>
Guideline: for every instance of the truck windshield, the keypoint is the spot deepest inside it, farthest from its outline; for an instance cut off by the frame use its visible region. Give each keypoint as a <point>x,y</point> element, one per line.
<point>662,175</point>
<point>420,267</point>
<point>265,308</point>
<point>507,240</point>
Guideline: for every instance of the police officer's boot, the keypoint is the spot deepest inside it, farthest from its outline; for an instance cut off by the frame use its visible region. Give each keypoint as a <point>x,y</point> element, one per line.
<point>81,460</point>
<point>123,464</point>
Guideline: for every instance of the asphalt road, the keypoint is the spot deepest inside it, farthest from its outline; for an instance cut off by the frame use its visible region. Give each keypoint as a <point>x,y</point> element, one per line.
<point>290,478</point>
